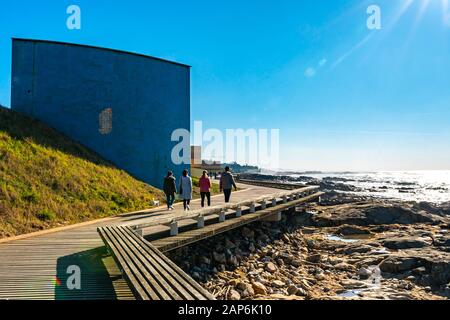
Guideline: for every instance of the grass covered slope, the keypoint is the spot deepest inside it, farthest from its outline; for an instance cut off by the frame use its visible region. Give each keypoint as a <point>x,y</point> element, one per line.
<point>48,180</point>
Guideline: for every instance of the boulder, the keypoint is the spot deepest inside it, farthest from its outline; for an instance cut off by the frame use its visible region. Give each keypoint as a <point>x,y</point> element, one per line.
<point>442,241</point>
<point>248,233</point>
<point>204,260</point>
<point>320,276</point>
<point>440,273</point>
<point>245,289</point>
<point>278,283</point>
<point>296,262</point>
<point>375,214</point>
<point>229,244</point>
<point>314,258</point>
<point>232,261</point>
<point>399,264</point>
<point>405,243</point>
<point>219,257</point>
<point>358,248</point>
<point>364,273</point>
<point>259,288</point>
<point>234,295</point>
<point>270,267</point>
<point>348,230</point>
<point>296,291</point>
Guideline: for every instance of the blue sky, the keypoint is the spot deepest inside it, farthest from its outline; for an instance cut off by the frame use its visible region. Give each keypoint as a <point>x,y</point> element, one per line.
<point>343,96</point>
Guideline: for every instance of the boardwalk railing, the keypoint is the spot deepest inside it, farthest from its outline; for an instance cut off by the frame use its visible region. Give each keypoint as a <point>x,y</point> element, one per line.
<point>152,276</point>
<point>199,215</point>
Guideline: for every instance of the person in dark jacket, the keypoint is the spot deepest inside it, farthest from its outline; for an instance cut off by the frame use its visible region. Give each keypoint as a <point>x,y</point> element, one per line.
<point>170,189</point>
<point>226,183</point>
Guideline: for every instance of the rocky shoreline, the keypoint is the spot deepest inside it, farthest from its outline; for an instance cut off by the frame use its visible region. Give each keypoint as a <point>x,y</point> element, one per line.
<point>359,250</point>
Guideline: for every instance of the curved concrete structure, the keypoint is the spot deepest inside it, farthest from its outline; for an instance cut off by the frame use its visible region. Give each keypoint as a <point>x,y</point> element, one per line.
<point>124,106</point>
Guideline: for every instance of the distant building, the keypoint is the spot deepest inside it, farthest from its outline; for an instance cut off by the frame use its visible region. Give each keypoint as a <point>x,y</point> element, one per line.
<point>198,165</point>
<point>122,105</point>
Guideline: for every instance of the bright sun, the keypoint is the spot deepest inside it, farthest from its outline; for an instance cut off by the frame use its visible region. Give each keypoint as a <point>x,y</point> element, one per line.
<point>423,6</point>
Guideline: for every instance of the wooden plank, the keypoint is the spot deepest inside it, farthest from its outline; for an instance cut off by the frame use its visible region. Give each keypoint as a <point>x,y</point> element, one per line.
<point>169,282</point>
<point>152,276</point>
<point>173,269</point>
<point>120,257</point>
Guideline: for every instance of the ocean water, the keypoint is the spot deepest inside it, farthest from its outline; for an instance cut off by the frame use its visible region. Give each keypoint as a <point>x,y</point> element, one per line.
<point>430,186</point>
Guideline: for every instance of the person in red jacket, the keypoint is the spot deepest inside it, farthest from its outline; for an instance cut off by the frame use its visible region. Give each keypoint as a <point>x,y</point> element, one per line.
<point>205,188</point>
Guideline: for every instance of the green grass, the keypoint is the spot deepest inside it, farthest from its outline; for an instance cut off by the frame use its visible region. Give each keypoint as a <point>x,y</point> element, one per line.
<point>48,180</point>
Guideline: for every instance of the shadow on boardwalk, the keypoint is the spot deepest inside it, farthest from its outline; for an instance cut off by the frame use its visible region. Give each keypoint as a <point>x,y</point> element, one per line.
<point>95,280</point>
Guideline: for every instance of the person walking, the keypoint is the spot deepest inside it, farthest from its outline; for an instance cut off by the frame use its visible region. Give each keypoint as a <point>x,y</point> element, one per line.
<point>226,183</point>
<point>205,188</point>
<point>186,190</point>
<point>170,189</point>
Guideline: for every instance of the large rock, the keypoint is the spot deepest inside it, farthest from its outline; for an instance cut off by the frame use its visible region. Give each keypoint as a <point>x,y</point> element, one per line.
<point>259,288</point>
<point>429,264</point>
<point>374,214</point>
<point>399,264</point>
<point>405,243</point>
<point>314,258</point>
<point>219,257</point>
<point>278,283</point>
<point>364,273</point>
<point>234,295</point>
<point>440,272</point>
<point>248,233</point>
<point>442,241</point>
<point>296,291</point>
<point>347,230</point>
<point>271,267</point>
<point>356,248</point>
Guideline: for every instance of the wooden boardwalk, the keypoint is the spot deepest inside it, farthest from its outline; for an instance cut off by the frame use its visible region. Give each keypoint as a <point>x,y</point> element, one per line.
<point>36,267</point>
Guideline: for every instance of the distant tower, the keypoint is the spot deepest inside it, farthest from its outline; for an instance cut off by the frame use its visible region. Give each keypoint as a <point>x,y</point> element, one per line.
<point>124,106</point>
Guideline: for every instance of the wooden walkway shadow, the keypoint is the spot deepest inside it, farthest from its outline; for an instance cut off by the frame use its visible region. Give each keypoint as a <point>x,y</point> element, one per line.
<point>94,281</point>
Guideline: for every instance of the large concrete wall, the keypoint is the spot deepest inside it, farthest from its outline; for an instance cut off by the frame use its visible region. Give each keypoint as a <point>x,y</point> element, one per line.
<point>75,89</point>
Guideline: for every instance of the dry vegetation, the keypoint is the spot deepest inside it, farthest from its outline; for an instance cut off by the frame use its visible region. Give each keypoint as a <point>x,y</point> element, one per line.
<point>47,180</point>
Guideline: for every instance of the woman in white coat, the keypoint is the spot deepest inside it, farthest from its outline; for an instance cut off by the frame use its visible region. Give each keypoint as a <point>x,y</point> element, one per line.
<point>186,190</point>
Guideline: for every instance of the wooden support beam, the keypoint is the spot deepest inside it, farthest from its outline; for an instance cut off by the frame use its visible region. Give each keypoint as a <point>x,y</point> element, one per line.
<point>200,221</point>
<point>188,237</point>
<point>273,218</point>
<point>222,216</point>
<point>174,228</point>
<point>215,210</point>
